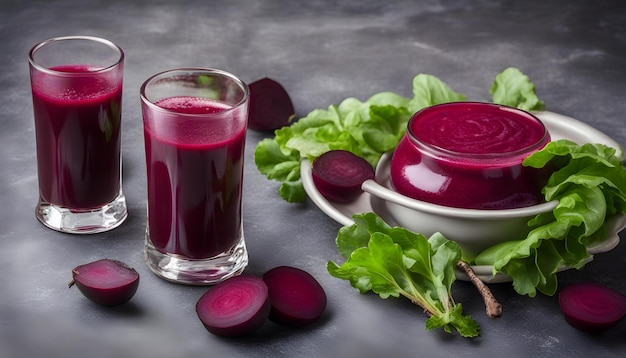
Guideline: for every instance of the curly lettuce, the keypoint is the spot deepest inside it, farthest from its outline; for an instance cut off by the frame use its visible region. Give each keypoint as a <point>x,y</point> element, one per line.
<point>589,182</point>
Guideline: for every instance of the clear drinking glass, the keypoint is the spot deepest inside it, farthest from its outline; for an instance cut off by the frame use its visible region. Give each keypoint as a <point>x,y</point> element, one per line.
<point>194,130</point>
<point>76,84</point>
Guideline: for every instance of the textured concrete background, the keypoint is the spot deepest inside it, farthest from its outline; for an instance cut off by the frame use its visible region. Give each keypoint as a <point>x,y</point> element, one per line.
<point>322,52</point>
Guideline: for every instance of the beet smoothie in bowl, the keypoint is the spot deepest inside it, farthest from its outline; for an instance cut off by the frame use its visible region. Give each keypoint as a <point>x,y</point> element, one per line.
<point>469,155</point>
<point>458,170</point>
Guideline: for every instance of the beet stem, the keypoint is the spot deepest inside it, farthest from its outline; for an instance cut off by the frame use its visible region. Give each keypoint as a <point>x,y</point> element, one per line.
<point>72,282</point>
<point>492,306</point>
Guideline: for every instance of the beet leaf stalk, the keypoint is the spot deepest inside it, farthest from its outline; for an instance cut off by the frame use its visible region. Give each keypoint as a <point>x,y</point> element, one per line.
<point>493,308</point>
<point>393,262</point>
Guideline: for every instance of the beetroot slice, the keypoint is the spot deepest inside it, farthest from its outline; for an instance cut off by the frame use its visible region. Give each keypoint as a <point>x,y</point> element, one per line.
<point>296,296</point>
<point>338,175</point>
<point>235,307</point>
<point>270,106</point>
<point>106,282</point>
<point>592,307</point>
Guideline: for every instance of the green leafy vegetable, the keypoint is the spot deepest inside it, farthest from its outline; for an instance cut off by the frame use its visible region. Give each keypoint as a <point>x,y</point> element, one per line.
<point>429,90</point>
<point>393,262</point>
<point>367,129</point>
<point>513,88</point>
<point>282,165</point>
<point>589,182</point>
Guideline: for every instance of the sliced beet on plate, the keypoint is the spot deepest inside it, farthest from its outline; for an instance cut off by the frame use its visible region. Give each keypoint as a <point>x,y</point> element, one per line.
<point>338,175</point>
<point>234,307</point>
<point>592,307</point>
<point>106,282</point>
<point>297,297</point>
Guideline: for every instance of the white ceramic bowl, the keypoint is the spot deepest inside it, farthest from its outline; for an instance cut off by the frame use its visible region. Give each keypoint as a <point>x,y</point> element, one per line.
<point>474,230</point>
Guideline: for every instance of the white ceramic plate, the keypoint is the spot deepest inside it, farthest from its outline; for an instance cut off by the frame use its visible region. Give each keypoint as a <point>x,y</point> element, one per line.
<point>559,126</point>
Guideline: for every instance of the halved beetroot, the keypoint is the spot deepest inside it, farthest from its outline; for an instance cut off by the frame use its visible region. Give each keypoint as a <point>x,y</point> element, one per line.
<point>235,307</point>
<point>296,296</point>
<point>338,175</point>
<point>270,105</point>
<point>592,307</point>
<point>106,282</point>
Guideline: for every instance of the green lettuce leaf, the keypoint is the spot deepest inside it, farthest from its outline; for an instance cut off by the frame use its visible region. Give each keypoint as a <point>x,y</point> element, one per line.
<point>589,182</point>
<point>394,262</point>
<point>282,166</point>
<point>513,88</point>
<point>429,90</point>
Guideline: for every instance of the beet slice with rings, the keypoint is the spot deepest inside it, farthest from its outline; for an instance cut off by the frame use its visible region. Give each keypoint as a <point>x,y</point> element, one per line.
<point>270,106</point>
<point>106,282</point>
<point>297,297</point>
<point>235,307</point>
<point>592,307</point>
<point>338,175</point>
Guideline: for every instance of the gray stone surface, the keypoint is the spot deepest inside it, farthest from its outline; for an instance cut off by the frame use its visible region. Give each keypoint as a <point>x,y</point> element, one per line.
<point>322,52</point>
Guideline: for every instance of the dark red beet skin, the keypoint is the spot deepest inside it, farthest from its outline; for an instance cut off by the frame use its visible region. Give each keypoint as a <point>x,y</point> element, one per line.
<point>338,175</point>
<point>235,307</point>
<point>270,106</point>
<point>106,282</point>
<point>592,307</point>
<point>296,296</point>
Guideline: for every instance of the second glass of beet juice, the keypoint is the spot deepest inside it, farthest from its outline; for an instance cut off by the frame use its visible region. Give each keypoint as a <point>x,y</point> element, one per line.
<point>76,84</point>
<point>194,131</point>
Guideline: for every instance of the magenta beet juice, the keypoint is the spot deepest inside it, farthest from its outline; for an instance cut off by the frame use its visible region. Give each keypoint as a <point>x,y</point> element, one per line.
<point>194,131</point>
<point>78,141</point>
<point>469,155</point>
<point>76,84</point>
<point>194,184</point>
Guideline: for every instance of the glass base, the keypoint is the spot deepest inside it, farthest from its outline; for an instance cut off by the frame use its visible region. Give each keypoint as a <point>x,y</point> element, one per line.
<point>90,221</point>
<point>177,269</point>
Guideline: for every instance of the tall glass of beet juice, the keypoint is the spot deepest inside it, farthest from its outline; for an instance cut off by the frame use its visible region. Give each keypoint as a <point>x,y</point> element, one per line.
<point>76,85</point>
<point>194,130</point>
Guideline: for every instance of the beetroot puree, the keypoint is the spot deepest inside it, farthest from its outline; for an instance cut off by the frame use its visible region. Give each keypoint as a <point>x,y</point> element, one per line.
<point>194,178</point>
<point>77,124</point>
<point>469,155</point>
